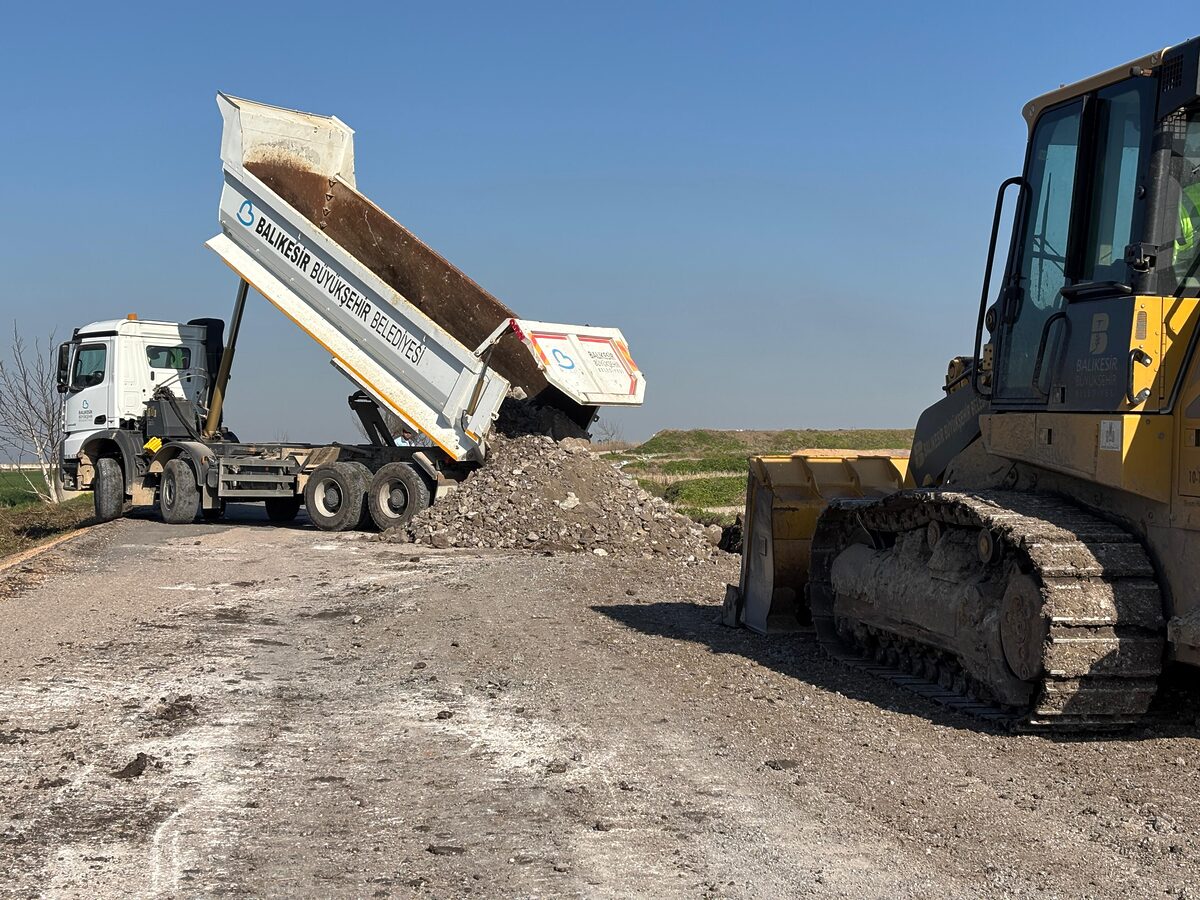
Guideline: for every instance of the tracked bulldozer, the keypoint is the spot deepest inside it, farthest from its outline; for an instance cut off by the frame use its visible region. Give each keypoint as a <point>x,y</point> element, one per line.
<point>1035,558</point>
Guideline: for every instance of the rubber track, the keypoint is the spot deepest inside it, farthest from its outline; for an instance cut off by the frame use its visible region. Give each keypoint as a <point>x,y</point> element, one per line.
<point>1104,651</point>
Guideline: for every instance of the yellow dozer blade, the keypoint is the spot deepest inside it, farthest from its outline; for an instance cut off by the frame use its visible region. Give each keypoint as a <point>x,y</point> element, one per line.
<point>784,497</point>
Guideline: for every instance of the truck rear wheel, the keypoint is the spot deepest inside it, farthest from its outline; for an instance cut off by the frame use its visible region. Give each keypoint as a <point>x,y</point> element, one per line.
<point>108,490</point>
<point>335,494</point>
<point>282,509</point>
<point>178,494</point>
<point>364,514</point>
<point>397,493</point>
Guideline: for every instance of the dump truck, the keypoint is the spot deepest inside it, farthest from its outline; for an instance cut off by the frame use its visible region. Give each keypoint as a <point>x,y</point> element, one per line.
<point>1035,560</point>
<point>418,340</point>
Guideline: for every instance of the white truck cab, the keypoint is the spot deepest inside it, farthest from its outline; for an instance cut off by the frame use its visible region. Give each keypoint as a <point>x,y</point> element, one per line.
<point>110,369</point>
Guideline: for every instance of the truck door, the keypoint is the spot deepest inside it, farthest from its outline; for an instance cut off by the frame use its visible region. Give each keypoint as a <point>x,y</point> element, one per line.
<point>89,398</point>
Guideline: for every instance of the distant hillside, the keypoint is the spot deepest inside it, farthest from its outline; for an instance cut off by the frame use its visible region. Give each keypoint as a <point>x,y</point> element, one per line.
<point>704,442</point>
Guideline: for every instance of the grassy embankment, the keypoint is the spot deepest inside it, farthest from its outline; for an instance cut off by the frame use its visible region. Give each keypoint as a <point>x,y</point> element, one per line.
<point>703,473</point>
<point>25,521</point>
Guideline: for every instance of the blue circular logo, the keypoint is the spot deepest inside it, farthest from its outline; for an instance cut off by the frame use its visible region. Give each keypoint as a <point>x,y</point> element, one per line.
<point>564,361</point>
<point>246,213</point>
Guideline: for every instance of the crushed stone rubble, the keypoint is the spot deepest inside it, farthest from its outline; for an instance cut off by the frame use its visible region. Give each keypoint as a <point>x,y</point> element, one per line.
<point>545,495</point>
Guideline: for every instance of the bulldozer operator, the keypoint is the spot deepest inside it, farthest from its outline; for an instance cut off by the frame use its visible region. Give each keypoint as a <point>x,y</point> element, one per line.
<point>1186,260</point>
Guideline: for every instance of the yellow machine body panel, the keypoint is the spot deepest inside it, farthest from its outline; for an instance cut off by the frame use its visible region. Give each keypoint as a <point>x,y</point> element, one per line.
<point>1187,415</point>
<point>1127,452</point>
<point>1133,448</point>
<point>1161,328</point>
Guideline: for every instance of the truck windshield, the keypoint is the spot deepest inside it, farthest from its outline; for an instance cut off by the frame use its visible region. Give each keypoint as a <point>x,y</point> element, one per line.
<point>89,366</point>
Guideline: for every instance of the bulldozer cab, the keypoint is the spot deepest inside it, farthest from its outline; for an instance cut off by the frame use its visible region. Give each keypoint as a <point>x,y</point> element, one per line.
<point>1104,253</point>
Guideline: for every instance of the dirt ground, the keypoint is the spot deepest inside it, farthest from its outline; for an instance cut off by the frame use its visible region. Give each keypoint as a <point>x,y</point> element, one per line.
<point>244,710</point>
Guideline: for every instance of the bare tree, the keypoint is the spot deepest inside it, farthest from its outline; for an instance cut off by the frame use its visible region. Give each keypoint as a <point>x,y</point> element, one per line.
<point>31,415</point>
<point>606,431</point>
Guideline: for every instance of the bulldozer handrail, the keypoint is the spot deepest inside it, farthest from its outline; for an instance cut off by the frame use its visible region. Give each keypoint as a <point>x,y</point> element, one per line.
<point>1040,359</point>
<point>987,273</point>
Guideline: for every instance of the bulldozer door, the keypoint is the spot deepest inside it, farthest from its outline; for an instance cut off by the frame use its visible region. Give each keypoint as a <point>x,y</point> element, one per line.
<point>1042,259</point>
<point>1068,284</point>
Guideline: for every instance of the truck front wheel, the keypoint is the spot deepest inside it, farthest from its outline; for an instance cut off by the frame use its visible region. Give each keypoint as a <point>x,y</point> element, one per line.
<point>178,494</point>
<point>397,493</point>
<point>108,490</point>
<point>334,496</point>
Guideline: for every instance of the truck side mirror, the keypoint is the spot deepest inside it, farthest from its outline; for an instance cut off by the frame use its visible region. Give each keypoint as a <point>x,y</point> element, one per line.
<point>64,366</point>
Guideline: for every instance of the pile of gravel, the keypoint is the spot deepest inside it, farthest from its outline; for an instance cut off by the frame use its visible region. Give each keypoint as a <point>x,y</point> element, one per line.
<point>539,494</point>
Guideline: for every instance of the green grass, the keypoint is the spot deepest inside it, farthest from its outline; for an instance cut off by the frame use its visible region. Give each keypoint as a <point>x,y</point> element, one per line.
<point>621,457</point>
<point>706,516</point>
<point>14,489</point>
<point>704,443</point>
<point>719,490</point>
<point>652,486</point>
<point>733,462</point>
<point>696,441</point>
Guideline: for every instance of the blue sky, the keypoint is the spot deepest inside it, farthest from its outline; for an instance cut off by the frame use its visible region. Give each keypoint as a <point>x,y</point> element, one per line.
<point>784,206</point>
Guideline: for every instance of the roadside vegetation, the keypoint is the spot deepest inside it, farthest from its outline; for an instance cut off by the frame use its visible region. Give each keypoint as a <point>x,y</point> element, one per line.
<point>31,413</point>
<point>15,489</point>
<point>33,507</point>
<point>29,524</point>
<point>702,472</point>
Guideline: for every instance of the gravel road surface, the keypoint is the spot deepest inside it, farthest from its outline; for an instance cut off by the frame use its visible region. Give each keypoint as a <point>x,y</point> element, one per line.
<point>244,710</point>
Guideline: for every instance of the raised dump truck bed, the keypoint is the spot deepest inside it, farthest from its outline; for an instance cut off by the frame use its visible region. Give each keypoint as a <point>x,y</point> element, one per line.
<point>414,332</point>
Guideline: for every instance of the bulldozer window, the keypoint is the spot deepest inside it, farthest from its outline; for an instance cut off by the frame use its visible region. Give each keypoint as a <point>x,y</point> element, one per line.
<point>1123,129</point>
<point>1185,175</point>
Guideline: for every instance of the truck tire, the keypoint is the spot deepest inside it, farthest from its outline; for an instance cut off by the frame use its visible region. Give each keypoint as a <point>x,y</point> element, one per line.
<point>397,493</point>
<point>178,494</point>
<point>364,522</point>
<point>108,490</point>
<point>282,509</point>
<point>335,495</point>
